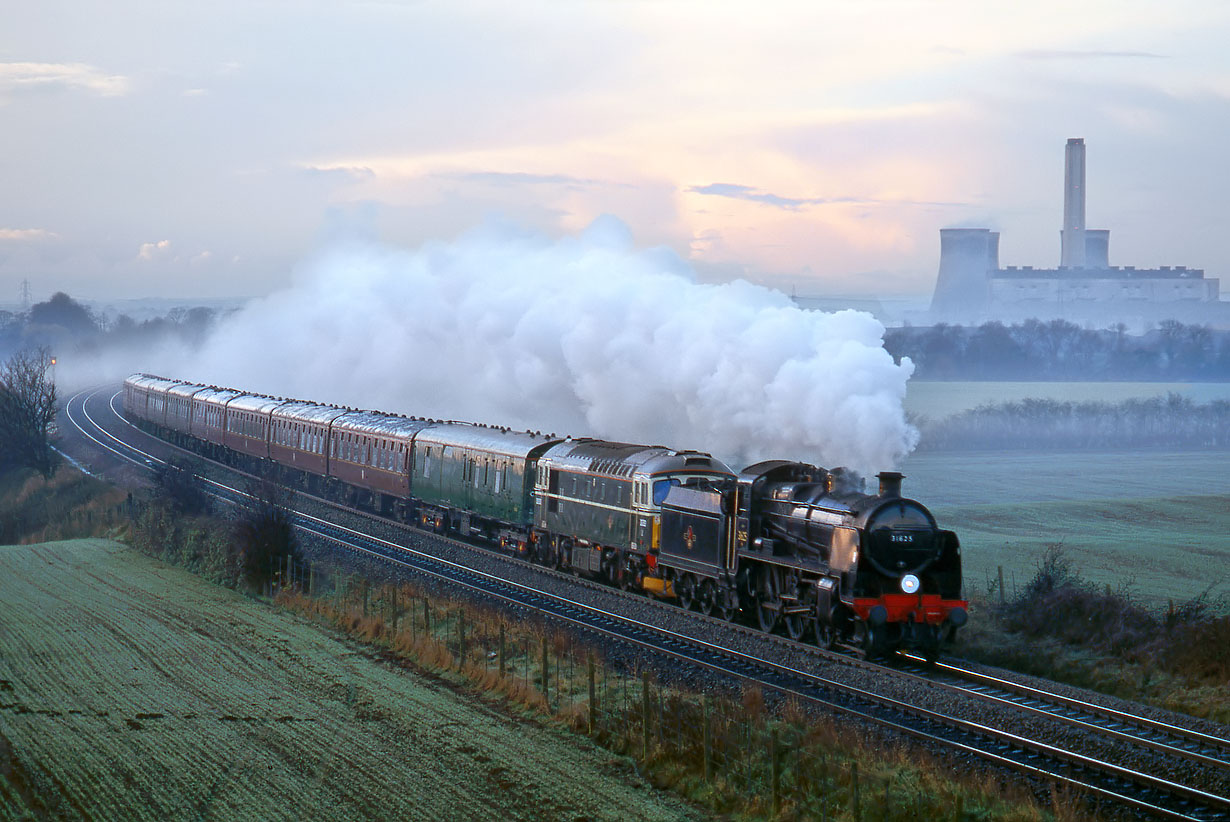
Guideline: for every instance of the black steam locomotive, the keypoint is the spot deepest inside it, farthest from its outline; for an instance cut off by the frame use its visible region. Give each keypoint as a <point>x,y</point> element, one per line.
<point>791,546</point>
<point>803,549</point>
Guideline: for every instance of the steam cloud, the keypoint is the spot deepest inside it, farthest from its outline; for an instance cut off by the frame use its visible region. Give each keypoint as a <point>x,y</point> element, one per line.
<point>584,335</point>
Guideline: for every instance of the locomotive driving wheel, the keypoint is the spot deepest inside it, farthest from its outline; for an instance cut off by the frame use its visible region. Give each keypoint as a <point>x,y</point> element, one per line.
<point>685,590</point>
<point>827,630</point>
<point>726,602</point>
<point>795,623</point>
<point>706,597</point>
<point>826,634</point>
<point>768,605</point>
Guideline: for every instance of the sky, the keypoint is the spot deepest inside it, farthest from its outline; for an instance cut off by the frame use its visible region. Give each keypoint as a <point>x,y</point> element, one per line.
<point>206,150</point>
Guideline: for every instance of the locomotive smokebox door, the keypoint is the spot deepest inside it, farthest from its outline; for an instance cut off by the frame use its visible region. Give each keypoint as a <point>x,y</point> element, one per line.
<point>694,529</point>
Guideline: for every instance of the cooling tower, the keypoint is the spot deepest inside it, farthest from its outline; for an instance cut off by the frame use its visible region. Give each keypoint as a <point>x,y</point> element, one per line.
<point>967,256</point>
<point>1097,248</point>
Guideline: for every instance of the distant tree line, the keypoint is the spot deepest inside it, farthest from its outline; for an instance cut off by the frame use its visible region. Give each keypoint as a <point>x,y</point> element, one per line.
<point>31,340</point>
<point>1173,421</point>
<point>1061,350</point>
<point>62,325</point>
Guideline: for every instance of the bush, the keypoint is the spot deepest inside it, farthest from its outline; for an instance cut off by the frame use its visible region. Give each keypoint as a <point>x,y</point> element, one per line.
<point>1058,603</point>
<point>178,486</point>
<point>264,531</point>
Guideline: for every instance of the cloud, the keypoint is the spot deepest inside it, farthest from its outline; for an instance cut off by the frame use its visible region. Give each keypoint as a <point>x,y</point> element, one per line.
<point>1056,54</point>
<point>343,173</point>
<point>26,76</point>
<point>741,192</point>
<point>195,92</point>
<point>26,234</point>
<point>518,178</point>
<point>149,250</point>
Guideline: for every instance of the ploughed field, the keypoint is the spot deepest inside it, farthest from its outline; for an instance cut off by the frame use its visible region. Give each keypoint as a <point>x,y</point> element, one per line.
<point>134,690</point>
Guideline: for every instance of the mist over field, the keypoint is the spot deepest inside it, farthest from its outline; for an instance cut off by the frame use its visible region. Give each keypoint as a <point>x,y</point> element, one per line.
<point>584,335</point>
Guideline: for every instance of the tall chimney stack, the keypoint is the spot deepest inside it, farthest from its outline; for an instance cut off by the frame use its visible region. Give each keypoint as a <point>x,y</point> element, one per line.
<point>1072,237</point>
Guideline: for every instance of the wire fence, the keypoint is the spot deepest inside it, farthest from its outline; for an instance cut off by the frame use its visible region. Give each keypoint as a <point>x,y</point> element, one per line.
<point>734,748</point>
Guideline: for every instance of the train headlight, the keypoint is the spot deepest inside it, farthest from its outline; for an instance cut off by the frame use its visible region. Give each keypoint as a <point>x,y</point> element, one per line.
<point>910,584</point>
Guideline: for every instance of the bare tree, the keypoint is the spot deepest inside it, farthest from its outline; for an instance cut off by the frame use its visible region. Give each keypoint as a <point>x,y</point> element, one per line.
<point>27,407</point>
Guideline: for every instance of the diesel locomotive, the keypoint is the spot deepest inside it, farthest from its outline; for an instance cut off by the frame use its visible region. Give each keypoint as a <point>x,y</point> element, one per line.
<point>788,546</point>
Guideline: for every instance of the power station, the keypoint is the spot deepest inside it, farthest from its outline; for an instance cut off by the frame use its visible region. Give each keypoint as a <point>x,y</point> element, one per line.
<point>971,285</point>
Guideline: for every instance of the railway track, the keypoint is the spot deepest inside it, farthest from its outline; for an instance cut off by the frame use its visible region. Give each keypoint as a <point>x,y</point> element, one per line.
<point>1036,758</point>
<point>1205,749</point>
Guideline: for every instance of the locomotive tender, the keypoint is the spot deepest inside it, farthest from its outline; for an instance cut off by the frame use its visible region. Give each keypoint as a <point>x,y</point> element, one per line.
<point>792,546</point>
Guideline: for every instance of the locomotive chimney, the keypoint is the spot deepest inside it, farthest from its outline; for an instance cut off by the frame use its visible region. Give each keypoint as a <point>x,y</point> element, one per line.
<point>890,483</point>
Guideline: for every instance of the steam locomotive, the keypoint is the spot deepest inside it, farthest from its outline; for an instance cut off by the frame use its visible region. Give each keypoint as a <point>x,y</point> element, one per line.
<point>787,545</point>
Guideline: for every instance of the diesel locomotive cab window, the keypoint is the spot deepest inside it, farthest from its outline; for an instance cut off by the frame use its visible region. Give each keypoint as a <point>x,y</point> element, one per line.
<point>663,487</point>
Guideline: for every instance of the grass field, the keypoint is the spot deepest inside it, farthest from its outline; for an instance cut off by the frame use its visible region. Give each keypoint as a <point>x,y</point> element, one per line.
<point>1157,520</point>
<point>1165,548</point>
<point>133,690</point>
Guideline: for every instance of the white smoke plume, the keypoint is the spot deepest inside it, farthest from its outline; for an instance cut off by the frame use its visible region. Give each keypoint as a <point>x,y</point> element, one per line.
<point>583,335</point>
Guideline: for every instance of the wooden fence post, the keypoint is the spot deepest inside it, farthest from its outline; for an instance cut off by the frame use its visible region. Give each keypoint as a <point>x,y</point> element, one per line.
<point>592,702</point>
<point>858,815</point>
<point>704,721</point>
<point>775,773</point>
<point>501,650</point>
<point>1001,585</point>
<point>645,716</point>
<point>546,696</point>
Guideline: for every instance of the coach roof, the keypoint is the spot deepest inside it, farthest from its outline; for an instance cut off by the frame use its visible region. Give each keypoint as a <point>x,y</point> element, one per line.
<point>493,440</point>
<point>376,424</point>
<point>254,403</point>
